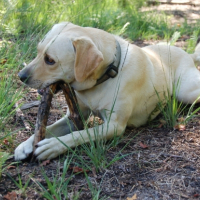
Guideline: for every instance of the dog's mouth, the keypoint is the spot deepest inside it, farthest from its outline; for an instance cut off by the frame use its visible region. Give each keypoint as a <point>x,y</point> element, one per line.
<point>58,88</point>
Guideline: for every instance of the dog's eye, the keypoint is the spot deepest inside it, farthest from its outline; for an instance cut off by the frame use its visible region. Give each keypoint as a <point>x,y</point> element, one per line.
<point>48,60</point>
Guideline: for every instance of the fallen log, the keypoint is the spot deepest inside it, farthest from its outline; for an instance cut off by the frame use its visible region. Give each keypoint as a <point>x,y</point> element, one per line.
<point>44,108</point>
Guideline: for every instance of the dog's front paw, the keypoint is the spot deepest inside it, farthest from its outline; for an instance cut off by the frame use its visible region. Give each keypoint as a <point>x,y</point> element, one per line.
<point>49,148</point>
<point>24,149</point>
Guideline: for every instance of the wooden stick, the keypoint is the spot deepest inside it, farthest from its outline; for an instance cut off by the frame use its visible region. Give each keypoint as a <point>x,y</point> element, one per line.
<point>44,108</point>
<point>30,105</point>
<point>72,103</point>
<point>42,115</point>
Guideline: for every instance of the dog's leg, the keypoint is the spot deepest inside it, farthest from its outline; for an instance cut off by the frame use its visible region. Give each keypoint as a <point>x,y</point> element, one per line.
<point>189,89</point>
<point>51,148</point>
<point>61,127</point>
<point>24,149</point>
<point>196,55</point>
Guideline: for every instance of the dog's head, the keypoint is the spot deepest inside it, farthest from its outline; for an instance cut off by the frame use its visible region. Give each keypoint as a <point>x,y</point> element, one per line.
<point>67,53</point>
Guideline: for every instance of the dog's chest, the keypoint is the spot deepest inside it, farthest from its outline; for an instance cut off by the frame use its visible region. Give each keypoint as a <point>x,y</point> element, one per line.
<point>96,100</point>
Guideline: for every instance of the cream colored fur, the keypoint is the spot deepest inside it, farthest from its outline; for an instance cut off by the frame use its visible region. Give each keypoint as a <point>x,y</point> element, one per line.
<point>82,56</point>
<point>196,54</point>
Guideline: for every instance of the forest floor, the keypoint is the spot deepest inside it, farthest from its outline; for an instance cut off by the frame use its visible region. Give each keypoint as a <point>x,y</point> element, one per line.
<point>158,163</point>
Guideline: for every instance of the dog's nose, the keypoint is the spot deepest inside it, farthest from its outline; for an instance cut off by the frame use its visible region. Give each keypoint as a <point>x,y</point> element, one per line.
<point>23,77</point>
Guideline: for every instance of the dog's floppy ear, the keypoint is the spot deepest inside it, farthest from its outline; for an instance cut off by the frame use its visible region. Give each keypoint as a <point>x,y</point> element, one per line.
<point>88,58</point>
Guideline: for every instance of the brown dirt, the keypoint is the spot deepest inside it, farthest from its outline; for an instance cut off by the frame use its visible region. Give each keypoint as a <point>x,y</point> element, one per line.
<point>177,13</point>
<point>159,163</point>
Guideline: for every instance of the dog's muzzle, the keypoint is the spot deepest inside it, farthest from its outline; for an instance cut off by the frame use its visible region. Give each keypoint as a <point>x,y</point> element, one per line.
<point>23,77</point>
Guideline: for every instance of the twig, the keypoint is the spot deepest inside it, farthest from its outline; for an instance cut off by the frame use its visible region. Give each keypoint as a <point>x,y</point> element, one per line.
<point>44,108</point>
<point>42,116</point>
<point>30,105</point>
<point>20,114</point>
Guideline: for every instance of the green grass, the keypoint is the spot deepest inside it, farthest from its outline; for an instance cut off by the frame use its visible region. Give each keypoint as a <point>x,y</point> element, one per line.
<point>23,18</point>
<point>191,42</point>
<point>19,183</point>
<point>169,106</point>
<point>3,157</point>
<point>57,188</point>
<point>192,111</point>
<point>174,112</point>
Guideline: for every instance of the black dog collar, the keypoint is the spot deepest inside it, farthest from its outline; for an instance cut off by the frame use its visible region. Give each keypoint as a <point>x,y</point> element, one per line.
<point>112,69</point>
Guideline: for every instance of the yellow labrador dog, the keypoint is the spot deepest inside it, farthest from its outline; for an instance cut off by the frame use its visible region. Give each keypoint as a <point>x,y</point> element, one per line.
<point>114,79</point>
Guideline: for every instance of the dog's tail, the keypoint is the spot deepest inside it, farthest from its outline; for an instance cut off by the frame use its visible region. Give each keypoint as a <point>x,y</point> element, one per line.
<point>196,55</point>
